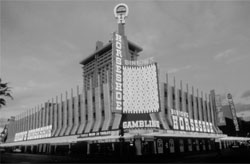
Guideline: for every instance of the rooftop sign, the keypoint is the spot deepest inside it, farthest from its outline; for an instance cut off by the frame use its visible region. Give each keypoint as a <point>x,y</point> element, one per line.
<point>121,12</point>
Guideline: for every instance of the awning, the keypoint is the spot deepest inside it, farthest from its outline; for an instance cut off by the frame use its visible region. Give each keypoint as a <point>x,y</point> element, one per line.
<point>235,139</point>
<point>171,133</point>
<point>64,139</point>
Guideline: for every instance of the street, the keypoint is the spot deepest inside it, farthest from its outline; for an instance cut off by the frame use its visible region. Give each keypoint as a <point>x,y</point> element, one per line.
<point>226,156</point>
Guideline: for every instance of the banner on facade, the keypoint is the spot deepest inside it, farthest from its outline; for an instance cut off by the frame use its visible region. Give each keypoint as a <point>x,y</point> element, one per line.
<point>140,94</point>
<point>181,121</point>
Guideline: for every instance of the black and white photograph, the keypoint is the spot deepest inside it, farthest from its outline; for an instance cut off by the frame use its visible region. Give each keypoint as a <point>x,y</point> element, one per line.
<point>144,81</point>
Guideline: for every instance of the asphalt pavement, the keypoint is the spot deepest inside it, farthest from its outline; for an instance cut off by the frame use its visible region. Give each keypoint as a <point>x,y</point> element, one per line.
<point>225,156</point>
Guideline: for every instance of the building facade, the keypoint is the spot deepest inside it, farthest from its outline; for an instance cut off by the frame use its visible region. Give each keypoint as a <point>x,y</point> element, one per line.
<point>122,105</point>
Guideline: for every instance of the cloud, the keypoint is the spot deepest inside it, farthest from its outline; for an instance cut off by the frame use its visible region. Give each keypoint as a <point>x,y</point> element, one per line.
<point>229,56</point>
<point>246,94</point>
<point>174,70</point>
<point>223,55</point>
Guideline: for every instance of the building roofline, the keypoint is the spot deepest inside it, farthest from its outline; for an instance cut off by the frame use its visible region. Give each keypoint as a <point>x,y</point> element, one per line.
<point>131,45</point>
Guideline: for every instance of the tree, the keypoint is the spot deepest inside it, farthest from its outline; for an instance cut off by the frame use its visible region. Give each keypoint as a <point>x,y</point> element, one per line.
<point>4,92</point>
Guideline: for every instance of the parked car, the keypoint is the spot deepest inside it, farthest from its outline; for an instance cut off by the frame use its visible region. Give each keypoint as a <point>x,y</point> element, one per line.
<point>17,150</point>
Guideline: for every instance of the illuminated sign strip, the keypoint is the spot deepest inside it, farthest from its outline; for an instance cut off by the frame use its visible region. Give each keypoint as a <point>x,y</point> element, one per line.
<point>94,134</point>
<point>181,121</point>
<point>42,132</point>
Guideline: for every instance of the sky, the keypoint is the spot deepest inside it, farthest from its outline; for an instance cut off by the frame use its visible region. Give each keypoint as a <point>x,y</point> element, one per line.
<point>205,44</point>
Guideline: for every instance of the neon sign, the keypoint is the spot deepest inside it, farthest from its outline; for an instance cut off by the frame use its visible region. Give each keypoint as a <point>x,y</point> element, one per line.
<point>181,121</point>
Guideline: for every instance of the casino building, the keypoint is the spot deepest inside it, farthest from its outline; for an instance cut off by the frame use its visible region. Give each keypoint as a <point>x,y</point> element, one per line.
<point>122,107</point>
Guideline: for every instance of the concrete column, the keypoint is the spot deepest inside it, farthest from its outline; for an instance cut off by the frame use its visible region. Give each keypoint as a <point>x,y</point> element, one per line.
<point>40,117</point>
<point>27,120</point>
<point>55,117</point>
<point>204,113</point>
<point>212,110</point>
<point>208,110</point>
<point>9,127</point>
<point>76,113</point>
<point>82,108</point>
<point>37,117</point>
<point>183,97</point>
<point>98,107</point>
<point>70,114</point>
<point>51,109</point>
<point>195,105</point>
<point>177,97</point>
<point>24,122</point>
<point>162,113</point>
<point>18,123</point>
<point>21,122</point>
<point>90,112</point>
<point>44,115</point>
<point>59,120</point>
<point>199,106</point>
<point>170,102</point>
<point>200,112</point>
<point>107,106</point>
<point>189,107</point>
<point>47,113</point>
<point>32,119</point>
<point>204,108</point>
<point>65,106</point>
<point>196,113</point>
<point>15,127</point>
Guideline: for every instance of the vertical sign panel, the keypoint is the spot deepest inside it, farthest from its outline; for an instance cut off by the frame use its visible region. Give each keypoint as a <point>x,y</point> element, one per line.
<point>232,107</point>
<point>118,51</point>
<point>220,117</point>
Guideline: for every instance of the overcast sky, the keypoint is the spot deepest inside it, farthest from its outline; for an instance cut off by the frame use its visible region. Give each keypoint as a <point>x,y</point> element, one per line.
<point>205,44</point>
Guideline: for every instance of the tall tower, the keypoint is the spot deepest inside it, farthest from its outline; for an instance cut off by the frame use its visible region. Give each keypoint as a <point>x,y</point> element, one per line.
<point>99,63</point>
